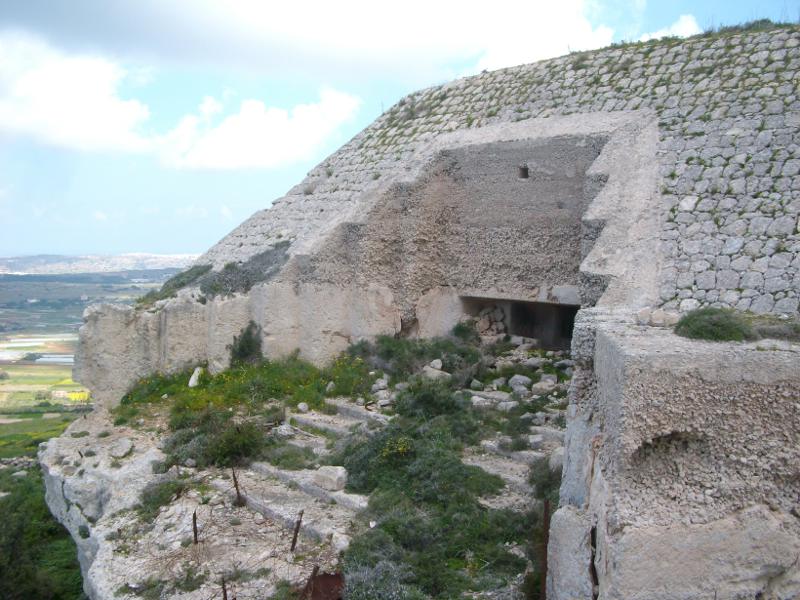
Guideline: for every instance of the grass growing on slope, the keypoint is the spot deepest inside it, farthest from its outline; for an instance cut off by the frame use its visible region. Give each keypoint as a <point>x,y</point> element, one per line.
<point>224,420</point>
<point>173,284</point>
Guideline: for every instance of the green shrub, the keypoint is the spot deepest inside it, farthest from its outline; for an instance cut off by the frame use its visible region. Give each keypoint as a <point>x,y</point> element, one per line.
<point>401,357</point>
<point>716,324</point>
<point>289,457</point>
<point>158,494</point>
<point>38,558</point>
<point>211,437</point>
<point>385,581</point>
<point>545,481</point>
<point>246,347</point>
<point>173,284</point>
<point>466,332</point>
<point>424,500</point>
<point>350,376</point>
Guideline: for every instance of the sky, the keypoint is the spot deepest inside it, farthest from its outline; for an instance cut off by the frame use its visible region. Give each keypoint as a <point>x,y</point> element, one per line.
<point>159,125</point>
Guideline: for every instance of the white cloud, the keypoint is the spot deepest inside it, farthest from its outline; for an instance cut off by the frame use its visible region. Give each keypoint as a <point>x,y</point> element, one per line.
<point>226,212</point>
<point>73,101</point>
<point>685,26</point>
<point>418,41</point>
<point>99,215</point>
<point>257,136</point>
<point>192,211</point>
<point>66,100</point>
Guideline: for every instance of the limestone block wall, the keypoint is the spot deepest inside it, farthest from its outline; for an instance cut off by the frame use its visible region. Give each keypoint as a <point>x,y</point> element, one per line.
<point>681,471</point>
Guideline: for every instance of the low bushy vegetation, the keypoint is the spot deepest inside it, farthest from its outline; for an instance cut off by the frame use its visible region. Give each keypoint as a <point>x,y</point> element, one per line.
<point>159,494</point>
<point>37,557</point>
<point>402,357</point>
<point>432,535</point>
<point>246,347</point>
<point>717,324</point>
<point>727,325</point>
<point>173,284</point>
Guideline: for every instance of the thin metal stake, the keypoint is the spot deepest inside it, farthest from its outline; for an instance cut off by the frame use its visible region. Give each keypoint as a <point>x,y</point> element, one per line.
<point>239,500</point>
<point>308,591</point>
<point>296,530</point>
<point>194,525</point>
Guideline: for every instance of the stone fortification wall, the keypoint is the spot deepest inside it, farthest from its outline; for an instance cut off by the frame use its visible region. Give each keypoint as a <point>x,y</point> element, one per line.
<point>728,157</point>
<point>681,468</point>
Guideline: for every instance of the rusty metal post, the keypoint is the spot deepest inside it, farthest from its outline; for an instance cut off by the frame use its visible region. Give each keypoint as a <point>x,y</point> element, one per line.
<point>239,500</point>
<point>224,590</point>
<point>296,530</point>
<point>308,591</point>
<point>194,525</point>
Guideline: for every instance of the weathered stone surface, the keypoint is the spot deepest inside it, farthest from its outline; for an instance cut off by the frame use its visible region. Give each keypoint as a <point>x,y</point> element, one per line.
<point>435,374</point>
<point>331,478</point>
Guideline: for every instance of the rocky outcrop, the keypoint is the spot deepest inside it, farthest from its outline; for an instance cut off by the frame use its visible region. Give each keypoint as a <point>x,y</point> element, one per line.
<point>680,476</point>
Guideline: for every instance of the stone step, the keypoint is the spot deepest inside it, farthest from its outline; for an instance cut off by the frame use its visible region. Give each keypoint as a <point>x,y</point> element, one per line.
<point>518,494</point>
<point>318,444</point>
<point>512,472</point>
<point>346,407</point>
<point>304,481</point>
<point>275,500</point>
<point>338,424</point>
<point>527,457</point>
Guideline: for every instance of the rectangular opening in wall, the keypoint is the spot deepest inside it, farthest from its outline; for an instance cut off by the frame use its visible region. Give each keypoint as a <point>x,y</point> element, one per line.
<point>549,323</point>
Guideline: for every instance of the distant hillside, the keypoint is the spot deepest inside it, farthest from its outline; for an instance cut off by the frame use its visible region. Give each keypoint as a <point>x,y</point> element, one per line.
<point>55,264</point>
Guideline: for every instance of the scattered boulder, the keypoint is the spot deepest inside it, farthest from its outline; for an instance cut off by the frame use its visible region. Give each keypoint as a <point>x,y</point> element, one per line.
<point>121,448</point>
<point>380,384</point>
<point>284,430</point>
<point>436,363</point>
<point>520,380</point>
<point>479,402</point>
<point>401,386</point>
<point>194,380</point>
<point>493,396</point>
<point>302,407</point>
<point>384,398</point>
<point>542,387</point>
<point>475,385</point>
<point>499,382</point>
<point>550,377</point>
<point>19,474</point>
<point>564,364</point>
<point>331,478</point>
<point>190,462</point>
<point>535,362</point>
<point>435,374</point>
<point>330,387</point>
<point>507,406</point>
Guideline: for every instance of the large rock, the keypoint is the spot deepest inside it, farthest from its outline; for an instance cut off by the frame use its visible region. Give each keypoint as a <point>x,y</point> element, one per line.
<point>435,374</point>
<point>194,380</point>
<point>331,478</point>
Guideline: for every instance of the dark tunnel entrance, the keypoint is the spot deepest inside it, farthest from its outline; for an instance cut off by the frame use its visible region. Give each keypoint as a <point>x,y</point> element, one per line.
<point>549,323</point>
